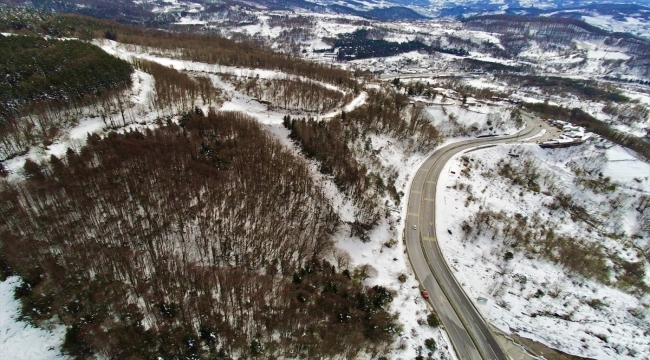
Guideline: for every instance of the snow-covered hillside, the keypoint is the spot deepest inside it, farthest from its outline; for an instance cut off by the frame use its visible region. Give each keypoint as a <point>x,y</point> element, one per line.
<point>492,240</point>
<point>384,252</point>
<point>510,213</point>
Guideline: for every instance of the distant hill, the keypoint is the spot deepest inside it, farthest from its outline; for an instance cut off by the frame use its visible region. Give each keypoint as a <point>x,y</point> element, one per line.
<point>388,14</point>
<point>602,9</point>
<point>613,17</point>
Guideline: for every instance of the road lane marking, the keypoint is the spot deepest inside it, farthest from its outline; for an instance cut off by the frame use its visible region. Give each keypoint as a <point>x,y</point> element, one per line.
<point>416,192</point>
<point>429,199</point>
<point>449,282</point>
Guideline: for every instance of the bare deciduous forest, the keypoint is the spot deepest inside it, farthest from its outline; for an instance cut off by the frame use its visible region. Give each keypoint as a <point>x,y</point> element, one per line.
<point>176,91</point>
<point>199,240</point>
<point>292,94</point>
<point>517,30</point>
<point>207,48</point>
<point>332,143</point>
<point>47,84</point>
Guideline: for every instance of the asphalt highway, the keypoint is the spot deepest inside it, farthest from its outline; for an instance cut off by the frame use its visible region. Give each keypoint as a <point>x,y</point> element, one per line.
<point>469,334</point>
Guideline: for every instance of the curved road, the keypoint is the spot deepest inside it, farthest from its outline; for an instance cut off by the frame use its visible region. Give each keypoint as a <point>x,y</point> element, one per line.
<point>469,334</point>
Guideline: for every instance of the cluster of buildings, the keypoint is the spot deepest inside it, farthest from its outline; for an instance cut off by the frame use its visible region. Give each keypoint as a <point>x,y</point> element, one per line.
<point>571,135</point>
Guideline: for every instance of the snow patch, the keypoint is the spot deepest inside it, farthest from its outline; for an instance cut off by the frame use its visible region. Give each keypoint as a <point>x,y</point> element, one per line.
<point>20,340</point>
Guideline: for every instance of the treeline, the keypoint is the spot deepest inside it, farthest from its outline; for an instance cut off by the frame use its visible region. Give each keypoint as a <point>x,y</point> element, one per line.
<point>292,93</point>
<point>537,239</point>
<point>449,41</point>
<point>208,48</point>
<point>583,89</point>
<point>578,117</point>
<point>628,113</point>
<point>452,51</point>
<point>337,145</point>
<point>177,92</point>
<point>417,89</point>
<point>359,45</point>
<point>58,72</point>
<point>363,43</point>
<point>286,21</point>
<point>516,31</point>
<point>624,80</point>
<point>186,242</point>
<point>45,80</point>
<point>491,67</point>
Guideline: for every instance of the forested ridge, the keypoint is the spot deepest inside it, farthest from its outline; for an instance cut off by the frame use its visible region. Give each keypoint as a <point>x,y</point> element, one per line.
<point>176,91</point>
<point>42,79</point>
<point>361,45</point>
<point>293,94</point>
<point>516,32</point>
<point>583,89</point>
<point>45,70</point>
<point>199,235</point>
<point>50,84</point>
<point>339,143</point>
<point>502,21</point>
<point>208,48</point>
<point>198,240</point>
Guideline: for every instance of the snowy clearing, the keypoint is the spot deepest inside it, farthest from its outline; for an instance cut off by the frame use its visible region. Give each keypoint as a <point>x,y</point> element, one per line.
<point>20,340</point>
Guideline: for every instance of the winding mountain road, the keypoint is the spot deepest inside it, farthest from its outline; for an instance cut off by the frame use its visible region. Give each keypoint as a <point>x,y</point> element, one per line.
<point>469,334</point>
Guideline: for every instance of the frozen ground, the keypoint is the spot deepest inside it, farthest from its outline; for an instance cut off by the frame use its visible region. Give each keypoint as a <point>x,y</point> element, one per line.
<point>529,295</point>
<point>20,340</point>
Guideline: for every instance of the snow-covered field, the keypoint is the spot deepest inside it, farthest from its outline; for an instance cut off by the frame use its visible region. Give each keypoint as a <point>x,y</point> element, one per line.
<point>639,27</point>
<point>475,118</point>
